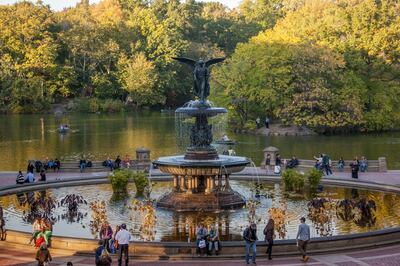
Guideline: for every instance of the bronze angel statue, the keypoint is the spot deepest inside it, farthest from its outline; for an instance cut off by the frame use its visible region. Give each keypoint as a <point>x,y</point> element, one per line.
<point>201,74</point>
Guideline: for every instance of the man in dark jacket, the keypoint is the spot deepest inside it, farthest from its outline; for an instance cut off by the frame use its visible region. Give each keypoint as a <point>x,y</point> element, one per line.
<point>250,236</point>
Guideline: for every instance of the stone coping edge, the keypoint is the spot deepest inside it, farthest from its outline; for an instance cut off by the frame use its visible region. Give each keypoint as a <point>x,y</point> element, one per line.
<point>175,244</point>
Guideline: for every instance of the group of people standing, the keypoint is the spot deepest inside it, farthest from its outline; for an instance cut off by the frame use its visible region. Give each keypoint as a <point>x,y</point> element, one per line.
<point>278,164</point>
<point>207,240</point>
<point>322,163</point>
<point>42,231</point>
<point>117,242</point>
<point>250,237</point>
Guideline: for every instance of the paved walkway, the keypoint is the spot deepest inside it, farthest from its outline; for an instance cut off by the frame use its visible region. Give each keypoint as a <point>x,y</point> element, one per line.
<point>386,256</point>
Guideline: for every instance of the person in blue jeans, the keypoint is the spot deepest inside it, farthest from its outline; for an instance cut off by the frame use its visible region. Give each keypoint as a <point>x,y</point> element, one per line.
<point>82,164</point>
<point>250,236</point>
<point>363,164</point>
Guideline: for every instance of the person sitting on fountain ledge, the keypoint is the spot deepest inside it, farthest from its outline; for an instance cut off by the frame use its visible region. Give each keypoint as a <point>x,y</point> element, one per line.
<point>213,240</point>
<point>292,163</point>
<point>201,236</point>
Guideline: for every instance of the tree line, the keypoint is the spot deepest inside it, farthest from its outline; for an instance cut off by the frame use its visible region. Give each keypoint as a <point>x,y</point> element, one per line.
<point>332,66</point>
<point>116,50</point>
<point>329,65</point>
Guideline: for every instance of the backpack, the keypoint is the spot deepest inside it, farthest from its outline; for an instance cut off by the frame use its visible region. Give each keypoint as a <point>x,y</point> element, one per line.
<point>105,258</point>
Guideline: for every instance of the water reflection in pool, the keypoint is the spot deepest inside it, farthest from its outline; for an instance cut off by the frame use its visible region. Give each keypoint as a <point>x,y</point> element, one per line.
<point>335,211</point>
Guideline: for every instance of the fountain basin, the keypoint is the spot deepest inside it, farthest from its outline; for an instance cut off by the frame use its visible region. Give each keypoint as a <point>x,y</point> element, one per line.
<point>224,164</point>
<point>178,226</point>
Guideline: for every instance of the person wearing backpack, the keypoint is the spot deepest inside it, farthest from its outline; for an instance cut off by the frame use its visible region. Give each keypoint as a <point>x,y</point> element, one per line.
<point>99,251</point>
<point>105,258</point>
<point>43,255</point>
<point>250,236</point>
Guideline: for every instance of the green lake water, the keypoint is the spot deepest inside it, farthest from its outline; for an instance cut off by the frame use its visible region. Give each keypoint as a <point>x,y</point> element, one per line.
<point>24,137</point>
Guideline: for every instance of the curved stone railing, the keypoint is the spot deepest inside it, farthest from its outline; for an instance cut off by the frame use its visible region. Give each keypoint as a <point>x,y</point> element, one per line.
<point>229,248</point>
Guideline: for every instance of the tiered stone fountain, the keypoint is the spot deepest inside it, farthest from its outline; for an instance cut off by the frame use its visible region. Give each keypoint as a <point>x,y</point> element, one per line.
<point>201,176</point>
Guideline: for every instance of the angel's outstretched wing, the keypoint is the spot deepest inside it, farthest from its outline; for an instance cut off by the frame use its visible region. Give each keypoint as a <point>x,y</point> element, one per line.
<point>186,61</point>
<point>214,61</point>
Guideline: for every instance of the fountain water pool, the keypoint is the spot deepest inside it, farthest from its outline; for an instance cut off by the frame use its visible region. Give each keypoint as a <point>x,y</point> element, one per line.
<point>179,226</point>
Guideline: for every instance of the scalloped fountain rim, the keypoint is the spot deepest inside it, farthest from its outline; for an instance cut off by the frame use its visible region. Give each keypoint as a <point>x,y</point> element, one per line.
<point>223,160</point>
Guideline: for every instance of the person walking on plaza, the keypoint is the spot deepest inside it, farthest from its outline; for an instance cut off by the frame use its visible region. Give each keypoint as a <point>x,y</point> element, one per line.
<point>302,238</point>
<point>123,237</point>
<point>355,166</point>
<point>269,236</point>
<point>43,255</point>
<point>250,236</point>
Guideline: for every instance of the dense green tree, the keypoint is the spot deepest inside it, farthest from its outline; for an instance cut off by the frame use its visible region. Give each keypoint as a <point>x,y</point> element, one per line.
<point>28,52</point>
<point>341,62</point>
<point>139,78</point>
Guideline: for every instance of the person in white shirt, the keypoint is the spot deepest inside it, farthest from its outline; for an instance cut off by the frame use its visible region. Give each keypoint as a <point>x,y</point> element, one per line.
<point>123,237</point>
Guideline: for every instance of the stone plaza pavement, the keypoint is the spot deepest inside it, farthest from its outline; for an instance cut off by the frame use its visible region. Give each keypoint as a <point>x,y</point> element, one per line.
<point>24,255</point>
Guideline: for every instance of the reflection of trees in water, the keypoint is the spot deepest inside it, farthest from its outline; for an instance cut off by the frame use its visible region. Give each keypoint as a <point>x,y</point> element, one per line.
<point>252,206</point>
<point>278,212</point>
<point>39,204</point>
<point>320,212</point>
<point>360,211</point>
<point>72,203</point>
<point>185,223</point>
<point>144,214</point>
<point>99,216</point>
<point>279,216</point>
